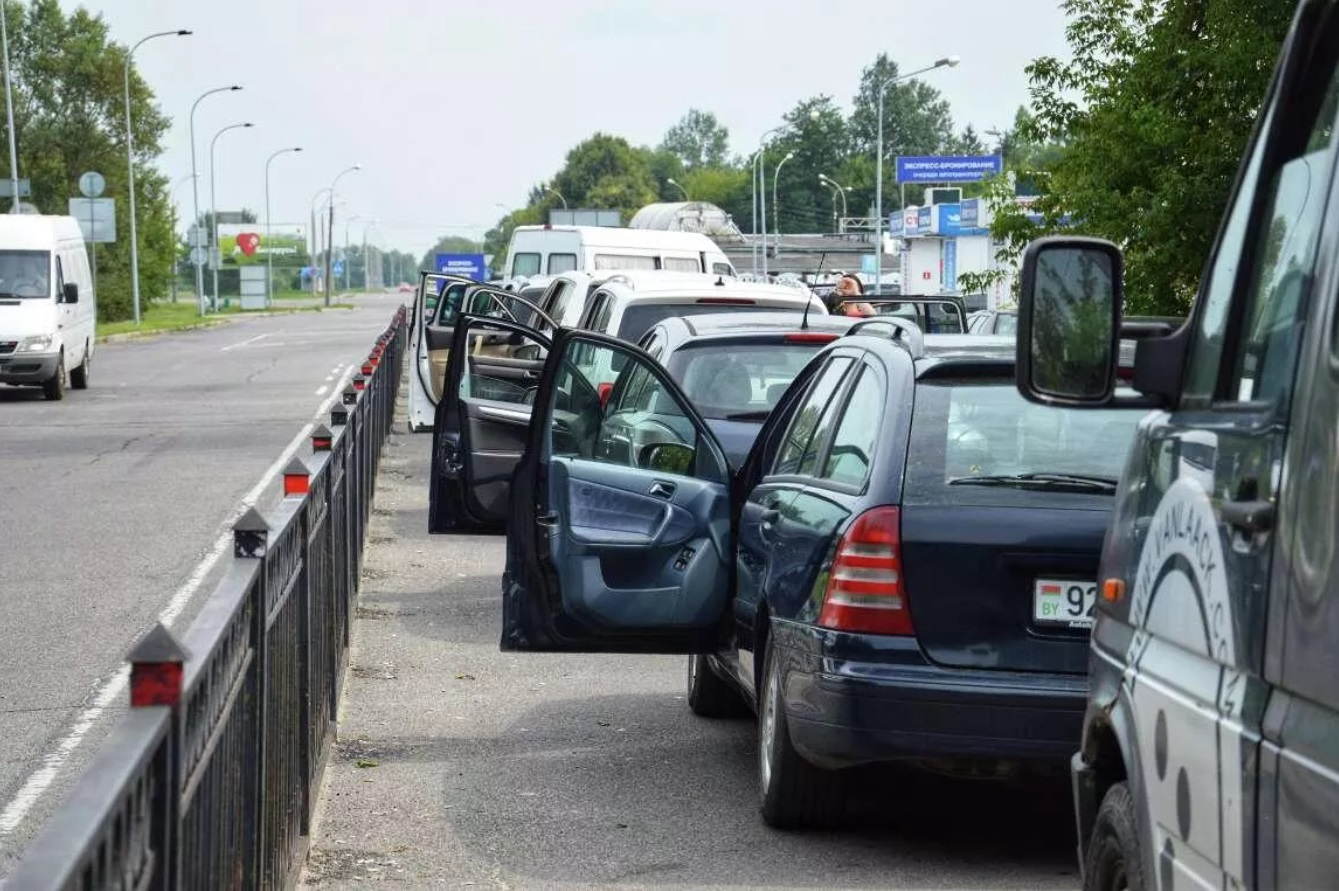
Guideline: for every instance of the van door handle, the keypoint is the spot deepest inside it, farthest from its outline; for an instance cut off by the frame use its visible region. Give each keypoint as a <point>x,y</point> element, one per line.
<point>661,489</point>
<point>1249,516</point>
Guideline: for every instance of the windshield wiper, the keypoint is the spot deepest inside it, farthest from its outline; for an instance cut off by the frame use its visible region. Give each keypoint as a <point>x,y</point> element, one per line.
<point>758,415</point>
<point>1054,481</point>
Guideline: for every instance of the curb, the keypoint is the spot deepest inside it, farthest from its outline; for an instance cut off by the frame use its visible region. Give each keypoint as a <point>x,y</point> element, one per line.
<point>216,322</point>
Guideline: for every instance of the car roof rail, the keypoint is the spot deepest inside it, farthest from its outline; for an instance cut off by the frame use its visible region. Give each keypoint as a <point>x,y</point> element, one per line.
<point>901,331</point>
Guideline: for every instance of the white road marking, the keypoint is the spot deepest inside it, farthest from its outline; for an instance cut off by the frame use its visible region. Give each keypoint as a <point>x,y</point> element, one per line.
<point>321,390</point>
<point>243,343</point>
<point>16,810</point>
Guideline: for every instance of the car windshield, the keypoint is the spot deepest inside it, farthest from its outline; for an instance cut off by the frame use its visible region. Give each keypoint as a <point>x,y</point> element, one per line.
<point>638,318</point>
<point>25,274</point>
<point>734,381</point>
<point>974,433</point>
<point>932,317</point>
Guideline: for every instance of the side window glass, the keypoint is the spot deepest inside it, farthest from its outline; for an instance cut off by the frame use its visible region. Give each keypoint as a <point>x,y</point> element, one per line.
<point>808,417</point>
<point>560,263</point>
<point>852,451</point>
<point>524,265</point>
<point>60,278</point>
<point>501,366</point>
<point>1286,256</point>
<point>639,421</point>
<point>448,305</point>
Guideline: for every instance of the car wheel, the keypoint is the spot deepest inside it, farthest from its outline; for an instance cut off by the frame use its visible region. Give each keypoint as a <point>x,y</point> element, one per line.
<point>54,389</point>
<point>79,376</point>
<point>710,695</point>
<point>1114,861</point>
<point>795,794</point>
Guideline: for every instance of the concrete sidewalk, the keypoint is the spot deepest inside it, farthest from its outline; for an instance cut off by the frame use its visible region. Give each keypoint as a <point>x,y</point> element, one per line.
<point>458,765</point>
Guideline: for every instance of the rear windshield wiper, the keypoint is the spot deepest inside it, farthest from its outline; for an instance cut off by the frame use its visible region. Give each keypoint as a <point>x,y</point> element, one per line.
<point>1053,481</point>
<point>758,415</point>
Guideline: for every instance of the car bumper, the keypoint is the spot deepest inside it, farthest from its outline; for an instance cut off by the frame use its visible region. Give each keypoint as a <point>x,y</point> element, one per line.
<point>28,368</point>
<point>843,712</point>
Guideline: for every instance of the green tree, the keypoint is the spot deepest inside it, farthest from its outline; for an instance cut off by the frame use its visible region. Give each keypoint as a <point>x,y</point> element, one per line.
<point>69,117</point>
<point>605,171</point>
<point>818,139</point>
<point>698,140</point>
<point>1154,110</point>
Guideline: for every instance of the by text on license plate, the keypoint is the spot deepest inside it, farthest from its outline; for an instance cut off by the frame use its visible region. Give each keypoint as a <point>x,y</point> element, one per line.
<point>1062,602</point>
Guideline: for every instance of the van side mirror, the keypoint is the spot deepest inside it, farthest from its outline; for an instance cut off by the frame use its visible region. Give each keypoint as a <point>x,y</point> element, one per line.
<point>1069,321</point>
<point>70,294</point>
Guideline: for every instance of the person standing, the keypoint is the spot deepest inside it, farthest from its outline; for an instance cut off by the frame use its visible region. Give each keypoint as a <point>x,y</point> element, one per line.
<point>841,300</point>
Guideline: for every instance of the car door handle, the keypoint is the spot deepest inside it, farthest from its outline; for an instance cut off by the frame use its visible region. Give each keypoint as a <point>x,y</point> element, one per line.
<point>661,489</point>
<point>1249,516</point>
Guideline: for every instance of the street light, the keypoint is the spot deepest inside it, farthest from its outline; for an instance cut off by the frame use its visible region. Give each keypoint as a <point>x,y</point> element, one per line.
<point>130,161</point>
<point>776,200</point>
<point>214,212</point>
<point>559,194</point>
<point>345,253</point>
<point>195,199</point>
<point>948,62</point>
<point>269,246</point>
<point>330,231</point>
<point>9,111</point>
<point>673,182</point>
<point>760,197</point>
<point>837,188</point>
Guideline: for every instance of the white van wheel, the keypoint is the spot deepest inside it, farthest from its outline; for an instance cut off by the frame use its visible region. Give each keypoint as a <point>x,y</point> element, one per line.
<point>79,375</point>
<point>54,388</point>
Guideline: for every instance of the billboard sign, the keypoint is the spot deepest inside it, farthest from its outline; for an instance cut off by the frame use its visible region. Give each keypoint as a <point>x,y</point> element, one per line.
<point>471,265</point>
<point>97,218</point>
<point>245,244</point>
<point>948,168</point>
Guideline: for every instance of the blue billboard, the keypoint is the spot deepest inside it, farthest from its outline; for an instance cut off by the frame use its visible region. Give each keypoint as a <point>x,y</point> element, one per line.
<point>948,168</point>
<point>470,265</point>
<point>950,272</point>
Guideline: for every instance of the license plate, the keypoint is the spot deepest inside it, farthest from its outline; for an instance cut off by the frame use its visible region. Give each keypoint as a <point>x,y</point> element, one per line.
<point>1066,603</point>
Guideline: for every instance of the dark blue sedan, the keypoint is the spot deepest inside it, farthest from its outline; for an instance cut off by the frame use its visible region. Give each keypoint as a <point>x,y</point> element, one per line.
<point>902,569</point>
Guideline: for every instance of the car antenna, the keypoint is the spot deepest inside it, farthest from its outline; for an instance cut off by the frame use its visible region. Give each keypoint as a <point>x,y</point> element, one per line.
<point>804,322</point>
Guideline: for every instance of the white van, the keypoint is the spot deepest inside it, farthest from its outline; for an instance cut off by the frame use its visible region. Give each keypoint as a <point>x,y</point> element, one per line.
<point>551,250</point>
<point>48,311</point>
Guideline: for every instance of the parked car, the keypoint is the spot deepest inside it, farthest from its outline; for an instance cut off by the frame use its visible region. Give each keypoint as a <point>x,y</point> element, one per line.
<point>993,321</point>
<point>902,568</point>
<point>1208,756</point>
<point>933,315</point>
<point>554,250</point>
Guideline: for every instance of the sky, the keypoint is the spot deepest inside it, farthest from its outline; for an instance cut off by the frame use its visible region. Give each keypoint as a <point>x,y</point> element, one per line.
<point>455,108</point>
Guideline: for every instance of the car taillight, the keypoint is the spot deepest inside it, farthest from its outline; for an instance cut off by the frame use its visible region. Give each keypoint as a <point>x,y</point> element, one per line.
<point>810,337</point>
<point>865,591</point>
<point>727,301</point>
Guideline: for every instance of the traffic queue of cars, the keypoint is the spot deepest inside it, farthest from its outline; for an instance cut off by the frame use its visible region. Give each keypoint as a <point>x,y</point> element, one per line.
<point>857,530</point>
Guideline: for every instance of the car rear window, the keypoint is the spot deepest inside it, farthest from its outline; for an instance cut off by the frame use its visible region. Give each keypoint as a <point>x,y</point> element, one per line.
<point>962,429</point>
<point>639,317</point>
<point>729,378</point>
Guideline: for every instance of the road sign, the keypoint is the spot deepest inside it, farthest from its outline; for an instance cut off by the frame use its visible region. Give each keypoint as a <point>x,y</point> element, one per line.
<point>7,188</point>
<point>471,265</point>
<point>97,218</point>
<point>198,256</point>
<point>338,268</point>
<point>948,168</point>
<point>92,184</point>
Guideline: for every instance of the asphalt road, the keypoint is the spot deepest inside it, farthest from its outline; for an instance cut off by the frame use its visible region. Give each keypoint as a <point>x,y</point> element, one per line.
<point>458,765</point>
<point>111,500</point>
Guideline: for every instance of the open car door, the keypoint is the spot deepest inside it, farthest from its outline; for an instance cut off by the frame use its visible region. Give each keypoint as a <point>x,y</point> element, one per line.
<point>437,301</point>
<point>482,423</point>
<point>620,531</point>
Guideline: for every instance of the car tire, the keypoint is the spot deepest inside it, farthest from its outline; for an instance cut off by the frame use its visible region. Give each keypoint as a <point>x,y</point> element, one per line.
<point>710,695</point>
<point>54,388</point>
<point>1114,861</point>
<point>79,376</point>
<point>794,793</point>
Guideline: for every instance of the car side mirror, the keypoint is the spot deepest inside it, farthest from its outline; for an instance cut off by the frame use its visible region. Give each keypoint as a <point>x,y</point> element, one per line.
<point>668,457</point>
<point>1069,321</point>
<point>70,294</point>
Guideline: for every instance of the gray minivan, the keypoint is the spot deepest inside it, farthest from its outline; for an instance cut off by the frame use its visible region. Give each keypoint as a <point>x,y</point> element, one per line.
<point>1210,749</point>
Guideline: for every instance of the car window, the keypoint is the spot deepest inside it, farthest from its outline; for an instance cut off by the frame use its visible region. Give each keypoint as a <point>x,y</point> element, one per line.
<point>1006,323</point>
<point>1285,255</point>
<point>728,378</point>
<point>722,269</point>
<point>809,416</point>
<point>849,459</point>
<point>639,412</point>
<point>638,318</point>
<point>448,305</point>
<point>560,263</point>
<point>624,261</point>
<point>681,264</point>
<point>524,264</point>
<point>492,371</point>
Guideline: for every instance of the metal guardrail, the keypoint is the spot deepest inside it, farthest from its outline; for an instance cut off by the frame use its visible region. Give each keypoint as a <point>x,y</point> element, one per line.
<point>210,778</point>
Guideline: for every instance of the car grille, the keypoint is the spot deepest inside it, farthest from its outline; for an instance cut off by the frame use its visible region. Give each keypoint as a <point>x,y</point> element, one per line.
<point>8,346</point>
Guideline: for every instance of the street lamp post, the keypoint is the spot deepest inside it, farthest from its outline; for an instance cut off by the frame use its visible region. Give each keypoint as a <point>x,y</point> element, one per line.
<point>315,239</point>
<point>949,62</point>
<point>195,200</point>
<point>345,253</point>
<point>9,112</point>
<point>673,182</point>
<point>130,177</point>
<point>838,189</point>
<point>559,194</point>
<point>760,192</point>
<point>269,246</point>
<point>776,198</point>
<point>214,261</point>
<point>330,229</point>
